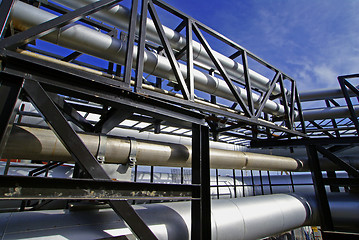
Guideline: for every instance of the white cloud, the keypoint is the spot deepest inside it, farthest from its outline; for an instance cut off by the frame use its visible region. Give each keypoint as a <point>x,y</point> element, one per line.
<point>325,75</point>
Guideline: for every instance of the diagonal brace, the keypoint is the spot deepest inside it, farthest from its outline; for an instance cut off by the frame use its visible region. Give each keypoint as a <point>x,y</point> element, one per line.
<point>112,119</point>
<point>75,117</point>
<point>82,155</point>
<point>220,68</point>
<point>50,26</point>
<point>170,55</point>
<point>267,94</point>
<point>348,168</point>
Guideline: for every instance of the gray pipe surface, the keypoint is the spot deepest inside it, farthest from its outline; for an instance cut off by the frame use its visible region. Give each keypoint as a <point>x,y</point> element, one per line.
<point>89,41</point>
<point>119,16</point>
<point>42,144</point>
<point>327,113</point>
<point>323,94</point>
<point>92,42</point>
<point>243,218</point>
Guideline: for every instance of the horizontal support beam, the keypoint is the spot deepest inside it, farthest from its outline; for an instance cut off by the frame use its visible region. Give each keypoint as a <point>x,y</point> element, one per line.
<point>16,187</point>
<point>334,235</point>
<point>341,181</point>
<point>304,141</point>
<point>81,84</point>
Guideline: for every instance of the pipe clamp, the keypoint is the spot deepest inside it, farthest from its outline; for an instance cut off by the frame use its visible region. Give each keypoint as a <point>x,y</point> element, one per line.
<point>133,152</point>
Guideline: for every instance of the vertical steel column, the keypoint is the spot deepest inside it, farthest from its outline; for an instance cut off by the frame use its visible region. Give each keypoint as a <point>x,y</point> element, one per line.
<point>182,176</point>
<point>141,45</point>
<point>234,183</point>
<point>332,174</point>
<point>130,44</point>
<point>253,185</point>
<point>201,209</point>
<point>243,187</point>
<point>320,192</point>
<point>247,82</point>
<point>189,50</point>
<point>217,183</point>
<point>261,179</point>
<point>9,104</point>
<point>291,181</point>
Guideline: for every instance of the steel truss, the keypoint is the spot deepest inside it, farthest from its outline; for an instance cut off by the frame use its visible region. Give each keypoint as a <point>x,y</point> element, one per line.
<point>337,134</point>
<point>45,83</point>
<point>16,81</point>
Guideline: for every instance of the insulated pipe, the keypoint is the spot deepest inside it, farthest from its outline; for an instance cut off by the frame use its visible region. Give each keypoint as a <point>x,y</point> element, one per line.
<point>232,219</point>
<point>89,41</point>
<point>328,113</point>
<point>42,144</point>
<point>119,16</point>
<point>323,94</point>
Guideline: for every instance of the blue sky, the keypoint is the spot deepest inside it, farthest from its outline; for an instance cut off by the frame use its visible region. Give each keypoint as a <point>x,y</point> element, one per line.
<point>310,40</point>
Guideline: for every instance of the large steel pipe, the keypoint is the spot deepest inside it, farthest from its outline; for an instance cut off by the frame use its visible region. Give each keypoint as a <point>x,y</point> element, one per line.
<point>244,218</point>
<point>323,94</point>
<point>119,16</point>
<point>89,41</point>
<point>328,113</point>
<point>42,144</point>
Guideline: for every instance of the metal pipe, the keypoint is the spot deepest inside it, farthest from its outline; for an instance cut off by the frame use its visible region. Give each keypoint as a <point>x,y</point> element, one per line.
<point>119,16</point>
<point>349,155</point>
<point>244,218</point>
<point>323,94</point>
<point>328,113</point>
<point>89,41</point>
<point>224,188</point>
<point>42,144</point>
<point>83,39</point>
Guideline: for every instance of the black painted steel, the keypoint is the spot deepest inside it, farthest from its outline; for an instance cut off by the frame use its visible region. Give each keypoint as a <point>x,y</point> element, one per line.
<point>335,235</point>
<point>170,55</point>
<point>344,84</point>
<point>141,46</point>
<point>248,83</point>
<point>285,104</point>
<point>74,116</point>
<point>111,119</point>
<point>189,51</point>
<point>220,68</point>
<point>320,192</point>
<point>130,44</point>
<point>82,155</point>
<point>10,88</point>
<point>50,26</point>
<point>137,226</point>
<point>5,9</point>
<point>62,129</point>
<point>265,143</point>
<point>95,88</point>
<point>71,57</point>
<point>343,165</point>
<point>201,217</point>
<point>54,7</point>
<point>19,187</point>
